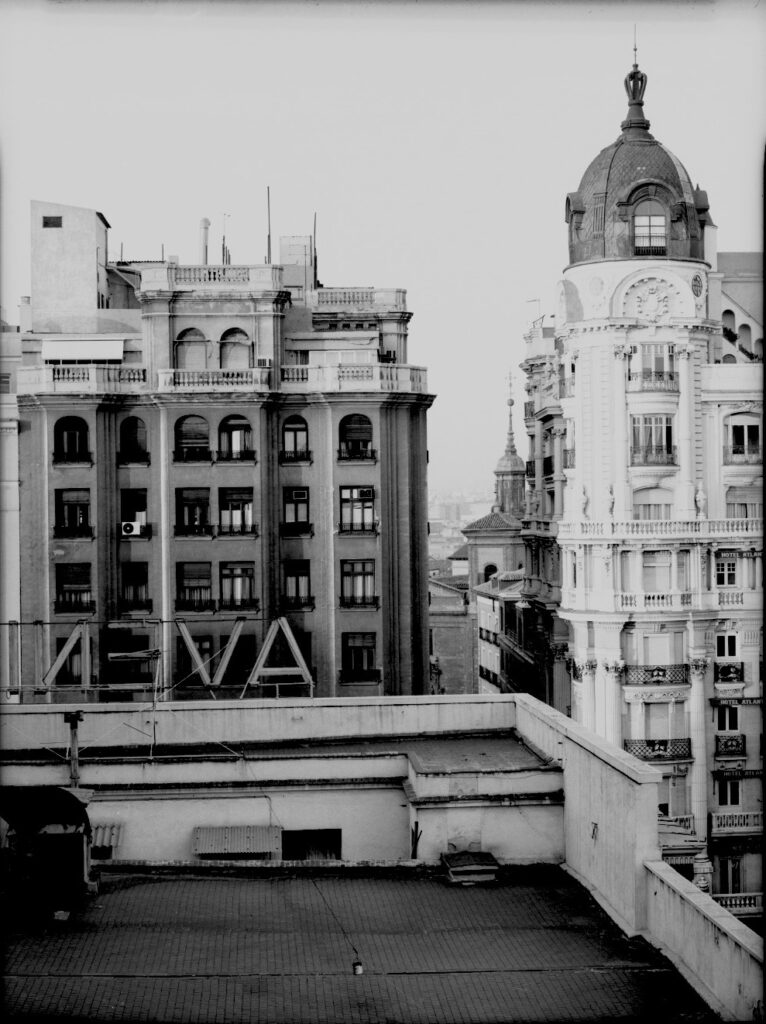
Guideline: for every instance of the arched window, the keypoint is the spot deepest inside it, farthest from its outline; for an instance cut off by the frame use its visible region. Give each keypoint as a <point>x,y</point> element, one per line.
<point>489,571</point>
<point>235,350</point>
<point>652,503</point>
<point>355,437</point>
<point>133,441</point>
<point>295,440</point>
<point>649,236</point>
<point>235,440</point>
<point>191,350</point>
<point>70,440</point>
<point>192,440</point>
<point>745,338</point>
<point>729,358</point>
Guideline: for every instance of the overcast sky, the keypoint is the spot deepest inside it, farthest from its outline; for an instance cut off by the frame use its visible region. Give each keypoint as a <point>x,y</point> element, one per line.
<point>436,142</point>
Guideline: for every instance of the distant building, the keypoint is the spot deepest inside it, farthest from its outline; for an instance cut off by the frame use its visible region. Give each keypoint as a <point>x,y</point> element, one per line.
<point>643,527</point>
<point>205,449</point>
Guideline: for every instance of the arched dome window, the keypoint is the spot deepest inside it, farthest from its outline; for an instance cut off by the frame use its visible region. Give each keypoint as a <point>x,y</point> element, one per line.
<point>489,571</point>
<point>235,440</point>
<point>235,350</point>
<point>70,440</point>
<point>133,441</point>
<point>355,438</point>
<point>295,440</point>
<point>191,350</point>
<point>649,233</point>
<point>192,440</point>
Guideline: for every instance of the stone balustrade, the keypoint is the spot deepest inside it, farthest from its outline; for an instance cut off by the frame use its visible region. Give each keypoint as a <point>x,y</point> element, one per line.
<point>736,821</point>
<point>740,902</point>
<point>80,379</point>
<point>664,528</point>
<point>355,377</point>
<point>253,379</point>
<point>651,601</point>
<point>360,298</point>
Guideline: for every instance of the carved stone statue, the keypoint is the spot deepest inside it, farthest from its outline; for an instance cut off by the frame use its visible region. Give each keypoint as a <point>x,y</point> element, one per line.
<point>611,501</point>
<point>700,500</point>
<point>585,503</point>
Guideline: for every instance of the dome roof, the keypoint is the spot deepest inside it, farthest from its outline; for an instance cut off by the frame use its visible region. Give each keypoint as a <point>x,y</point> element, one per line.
<point>635,170</point>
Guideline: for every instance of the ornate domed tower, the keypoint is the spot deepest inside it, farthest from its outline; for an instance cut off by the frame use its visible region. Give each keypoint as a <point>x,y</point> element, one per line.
<point>510,472</point>
<point>659,571</point>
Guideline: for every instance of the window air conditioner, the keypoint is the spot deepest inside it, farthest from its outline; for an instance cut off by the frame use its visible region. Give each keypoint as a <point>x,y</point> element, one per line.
<point>132,529</point>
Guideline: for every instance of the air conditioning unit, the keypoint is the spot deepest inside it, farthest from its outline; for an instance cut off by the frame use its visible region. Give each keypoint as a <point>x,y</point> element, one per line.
<point>132,529</point>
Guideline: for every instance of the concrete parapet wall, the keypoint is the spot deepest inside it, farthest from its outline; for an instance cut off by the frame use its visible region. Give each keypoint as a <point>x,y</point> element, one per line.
<point>718,955</point>
<point>251,721</point>
<point>610,810</point>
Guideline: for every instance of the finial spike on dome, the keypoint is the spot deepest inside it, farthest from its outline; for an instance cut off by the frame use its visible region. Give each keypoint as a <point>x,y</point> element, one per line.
<point>510,444</point>
<point>635,86</point>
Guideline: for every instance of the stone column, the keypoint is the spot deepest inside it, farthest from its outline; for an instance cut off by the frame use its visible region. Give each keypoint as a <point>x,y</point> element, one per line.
<point>684,434</point>
<point>698,772</point>
<point>558,471</point>
<point>588,671</point>
<point>758,570</point>
<point>576,710</point>
<point>537,503</point>
<point>613,669</point>
<point>636,711</point>
<point>622,491</point>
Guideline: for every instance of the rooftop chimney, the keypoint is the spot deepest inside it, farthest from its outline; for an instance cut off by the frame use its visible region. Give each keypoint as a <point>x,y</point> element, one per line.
<point>204,227</point>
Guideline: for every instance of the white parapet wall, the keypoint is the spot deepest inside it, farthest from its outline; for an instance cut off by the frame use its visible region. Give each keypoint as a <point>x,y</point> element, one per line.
<point>717,954</point>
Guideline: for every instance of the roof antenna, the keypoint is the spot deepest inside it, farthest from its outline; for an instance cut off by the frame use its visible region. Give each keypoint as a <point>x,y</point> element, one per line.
<point>635,47</point>
<point>268,216</point>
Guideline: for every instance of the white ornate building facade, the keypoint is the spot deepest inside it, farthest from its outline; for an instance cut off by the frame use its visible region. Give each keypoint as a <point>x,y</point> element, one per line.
<point>643,526</point>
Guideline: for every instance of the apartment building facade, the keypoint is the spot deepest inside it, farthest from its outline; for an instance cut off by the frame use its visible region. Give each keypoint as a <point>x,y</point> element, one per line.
<point>205,450</point>
<point>644,528</point>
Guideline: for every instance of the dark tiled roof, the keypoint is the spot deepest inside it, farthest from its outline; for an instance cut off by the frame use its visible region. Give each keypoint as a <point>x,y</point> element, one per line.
<point>453,582</point>
<point>494,521</point>
<point>461,553</point>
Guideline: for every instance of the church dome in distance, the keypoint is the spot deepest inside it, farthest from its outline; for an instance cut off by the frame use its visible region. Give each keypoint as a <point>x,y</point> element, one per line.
<point>636,199</point>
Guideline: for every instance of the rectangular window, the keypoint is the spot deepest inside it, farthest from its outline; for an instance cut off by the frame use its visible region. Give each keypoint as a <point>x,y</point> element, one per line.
<point>297,584</point>
<point>73,590</point>
<point>652,440</point>
<point>649,234</point>
<point>745,438</point>
<point>52,222</point>
<point>726,645</point>
<point>730,875</point>
<point>193,511</point>
<point>134,593</point>
<point>237,585</point>
<point>657,572</point>
<point>235,506</point>
<point>682,571</point>
<point>133,505</point>
<point>728,792</point>
<point>357,583</point>
<point>72,513</point>
<point>194,591</point>
<point>296,505</point>
<point>651,511</point>
<point>726,572</point>
<point>728,718</point>
<point>357,509</point>
<point>358,657</point>
<point>744,510</point>
<point>70,673</point>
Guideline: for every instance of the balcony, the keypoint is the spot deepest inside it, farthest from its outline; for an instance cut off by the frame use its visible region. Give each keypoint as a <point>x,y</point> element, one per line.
<point>360,298</point>
<point>72,458</point>
<point>193,530</point>
<point>654,602</point>
<point>360,675</point>
<point>353,453</point>
<point>195,604</point>
<point>653,455</point>
<point>233,604</point>
<point>133,457</point>
<point>135,604</point>
<point>257,378</point>
<point>237,530</point>
<point>651,380</point>
<point>80,603</point>
<point>650,245</point>
<point>730,598</point>
<point>359,602</point>
<point>196,453</point>
<point>246,455</point>
<point>736,822</point>
<point>78,380</point>
<point>364,529</point>
<point>81,531</point>
<point>296,529</point>
<point>730,745</point>
<point>741,904</point>
<point>656,675</point>
<point>369,376</point>
<point>659,750</point>
<point>742,455</point>
<point>305,603</point>
<point>729,671</point>
<point>569,458</point>
<point>289,458</point>
<point>729,529</point>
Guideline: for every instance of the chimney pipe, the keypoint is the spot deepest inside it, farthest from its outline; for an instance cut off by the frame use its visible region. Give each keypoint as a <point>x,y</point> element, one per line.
<point>204,227</point>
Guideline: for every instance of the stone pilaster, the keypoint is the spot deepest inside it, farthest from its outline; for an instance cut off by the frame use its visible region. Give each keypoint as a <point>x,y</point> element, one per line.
<point>698,773</point>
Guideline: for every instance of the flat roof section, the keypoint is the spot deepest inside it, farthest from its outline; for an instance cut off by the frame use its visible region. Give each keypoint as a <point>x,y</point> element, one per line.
<point>534,947</point>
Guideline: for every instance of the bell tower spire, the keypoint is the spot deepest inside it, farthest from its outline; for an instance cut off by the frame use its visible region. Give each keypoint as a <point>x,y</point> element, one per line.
<point>510,471</point>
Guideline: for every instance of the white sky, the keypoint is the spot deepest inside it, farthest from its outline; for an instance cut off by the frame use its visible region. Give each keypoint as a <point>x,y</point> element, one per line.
<point>436,141</point>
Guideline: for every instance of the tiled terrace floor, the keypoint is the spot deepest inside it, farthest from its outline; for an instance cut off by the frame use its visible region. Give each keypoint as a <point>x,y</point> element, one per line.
<point>280,951</point>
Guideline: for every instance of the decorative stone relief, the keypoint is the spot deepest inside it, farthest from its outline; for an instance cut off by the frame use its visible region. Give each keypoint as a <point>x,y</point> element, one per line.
<point>653,695</point>
<point>652,300</point>
<point>697,666</point>
<point>729,689</point>
<point>614,667</point>
<point>590,665</point>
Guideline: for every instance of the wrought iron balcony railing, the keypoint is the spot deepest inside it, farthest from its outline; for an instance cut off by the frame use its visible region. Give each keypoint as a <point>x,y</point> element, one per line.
<point>286,457</point>
<point>237,530</point>
<point>70,458</point>
<point>229,604</point>
<point>654,455</point>
<point>363,528</point>
<point>659,750</point>
<point>195,604</point>
<point>245,455</point>
<point>370,601</point>
<point>135,604</point>
<point>730,745</point>
<point>354,453</point>
<point>62,530</point>
<point>742,454</point>
<point>653,380</point>
<point>656,675</point>
<point>193,530</point>
<point>197,453</point>
<point>296,529</point>
<point>82,602</point>
<point>304,603</point>
<point>133,456</point>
